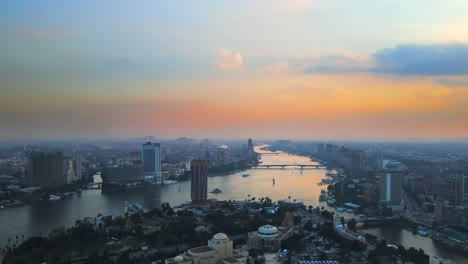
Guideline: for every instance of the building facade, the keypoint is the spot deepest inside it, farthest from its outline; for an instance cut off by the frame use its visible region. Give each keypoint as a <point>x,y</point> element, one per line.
<point>47,169</point>
<point>122,174</point>
<point>454,189</point>
<point>391,177</point>
<point>219,250</point>
<point>199,181</point>
<point>151,157</point>
<point>268,238</point>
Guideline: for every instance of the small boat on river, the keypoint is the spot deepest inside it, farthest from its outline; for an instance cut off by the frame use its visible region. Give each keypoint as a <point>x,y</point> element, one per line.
<point>216,191</point>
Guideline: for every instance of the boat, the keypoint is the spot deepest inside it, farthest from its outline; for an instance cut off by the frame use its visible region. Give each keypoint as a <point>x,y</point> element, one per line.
<point>245,175</point>
<point>216,191</point>
<point>422,231</point>
<point>169,182</point>
<point>54,197</point>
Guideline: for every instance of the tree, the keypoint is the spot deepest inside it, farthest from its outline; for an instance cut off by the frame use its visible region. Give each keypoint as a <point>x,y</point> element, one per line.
<point>352,224</point>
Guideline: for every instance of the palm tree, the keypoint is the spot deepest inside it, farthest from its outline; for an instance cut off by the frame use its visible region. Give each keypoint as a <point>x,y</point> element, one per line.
<point>289,197</point>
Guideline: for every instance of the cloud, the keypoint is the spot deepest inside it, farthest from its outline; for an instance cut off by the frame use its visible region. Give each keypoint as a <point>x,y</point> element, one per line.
<point>414,59</point>
<point>408,59</point>
<point>279,67</point>
<point>228,61</point>
<point>452,81</point>
<point>334,63</point>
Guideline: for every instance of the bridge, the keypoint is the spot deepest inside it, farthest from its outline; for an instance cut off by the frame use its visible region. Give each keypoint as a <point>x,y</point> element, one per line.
<point>282,166</point>
<point>90,185</point>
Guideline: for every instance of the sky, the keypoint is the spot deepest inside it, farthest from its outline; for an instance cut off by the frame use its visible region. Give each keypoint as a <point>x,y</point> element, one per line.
<point>297,69</point>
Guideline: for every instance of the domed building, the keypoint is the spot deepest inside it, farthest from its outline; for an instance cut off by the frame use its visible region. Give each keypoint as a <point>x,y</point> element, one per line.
<point>268,238</point>
<point>219,250</point>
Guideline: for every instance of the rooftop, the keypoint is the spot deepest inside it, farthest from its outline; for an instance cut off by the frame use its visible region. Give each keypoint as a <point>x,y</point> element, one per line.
<point>201,249</point>
<point>231,260</point>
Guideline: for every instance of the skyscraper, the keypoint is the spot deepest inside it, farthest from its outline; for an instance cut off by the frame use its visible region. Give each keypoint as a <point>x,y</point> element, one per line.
<point>47,169</point>
<point>151,157</point>
<point>390,182</point>
<point>250,145</point>
<point>77,164</point>
<point>199,181</point>
<point>454,189</point>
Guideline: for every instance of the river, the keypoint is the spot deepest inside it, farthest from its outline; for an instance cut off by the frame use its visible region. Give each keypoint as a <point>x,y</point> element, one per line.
<point>42,216</point>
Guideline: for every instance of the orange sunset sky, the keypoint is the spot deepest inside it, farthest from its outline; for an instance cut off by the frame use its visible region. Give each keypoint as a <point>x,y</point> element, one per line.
<point>360,70</point>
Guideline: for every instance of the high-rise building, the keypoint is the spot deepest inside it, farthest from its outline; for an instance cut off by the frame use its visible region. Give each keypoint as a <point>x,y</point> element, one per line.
<point>391,177</point>
<point>47,169</point>
<point>77,165</point>
<point>199,181</point>
<point>151,157</point>
<point>250,145</point>
<point>455,189</point>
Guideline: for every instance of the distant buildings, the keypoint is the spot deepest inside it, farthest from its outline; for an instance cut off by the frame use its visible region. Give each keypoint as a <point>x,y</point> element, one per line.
<point>199,181</point>
<point>47,169</point>
<point>390,182</point>
<point>151,157</point>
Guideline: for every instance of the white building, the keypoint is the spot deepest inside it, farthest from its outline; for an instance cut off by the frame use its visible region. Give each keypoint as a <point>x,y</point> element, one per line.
<point>219,250</point>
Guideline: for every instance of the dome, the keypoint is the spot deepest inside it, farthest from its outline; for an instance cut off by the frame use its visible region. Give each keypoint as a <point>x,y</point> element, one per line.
<point>178,259</point>
<point>267,231</point>
<point>220,236</point>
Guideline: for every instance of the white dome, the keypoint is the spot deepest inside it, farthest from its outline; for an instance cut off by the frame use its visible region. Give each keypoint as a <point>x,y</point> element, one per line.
<point>178,259</point>
<point>220,236</point>
<point>267,231</point>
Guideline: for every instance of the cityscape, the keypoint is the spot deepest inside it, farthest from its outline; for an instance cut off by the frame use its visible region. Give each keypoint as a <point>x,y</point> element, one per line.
<point>234,132</point>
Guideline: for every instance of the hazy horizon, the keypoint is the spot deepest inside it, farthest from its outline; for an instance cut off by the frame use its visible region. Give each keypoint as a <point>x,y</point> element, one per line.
<point>296,69</point>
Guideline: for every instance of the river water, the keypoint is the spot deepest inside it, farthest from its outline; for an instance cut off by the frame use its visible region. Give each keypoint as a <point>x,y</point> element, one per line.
<point>42,216</point>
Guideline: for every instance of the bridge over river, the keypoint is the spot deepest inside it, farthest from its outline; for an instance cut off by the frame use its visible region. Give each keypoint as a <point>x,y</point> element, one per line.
<point>283,166</point>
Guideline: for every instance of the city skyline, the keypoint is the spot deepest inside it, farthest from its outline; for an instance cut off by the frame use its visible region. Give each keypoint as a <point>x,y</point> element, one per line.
<point>266,69</point>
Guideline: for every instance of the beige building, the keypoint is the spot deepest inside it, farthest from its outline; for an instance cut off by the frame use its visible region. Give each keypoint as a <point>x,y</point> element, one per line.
<point>219,250</point>
<point>268,238</point>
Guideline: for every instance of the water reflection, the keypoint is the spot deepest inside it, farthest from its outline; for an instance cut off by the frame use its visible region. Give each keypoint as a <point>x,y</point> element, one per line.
<point>398,235</point>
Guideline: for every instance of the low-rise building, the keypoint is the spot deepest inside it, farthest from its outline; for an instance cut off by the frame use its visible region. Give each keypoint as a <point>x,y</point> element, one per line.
<point>268,238</point>
<point>219,250</point>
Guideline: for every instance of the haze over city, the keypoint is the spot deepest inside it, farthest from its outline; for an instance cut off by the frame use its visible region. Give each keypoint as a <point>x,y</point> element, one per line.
<point>234,69</point>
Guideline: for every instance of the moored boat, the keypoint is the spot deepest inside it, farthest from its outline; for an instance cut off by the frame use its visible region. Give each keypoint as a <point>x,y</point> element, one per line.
<point>54,197</point>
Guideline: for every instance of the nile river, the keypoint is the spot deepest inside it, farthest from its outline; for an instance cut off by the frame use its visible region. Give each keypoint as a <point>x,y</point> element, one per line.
<point>42,216</point>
